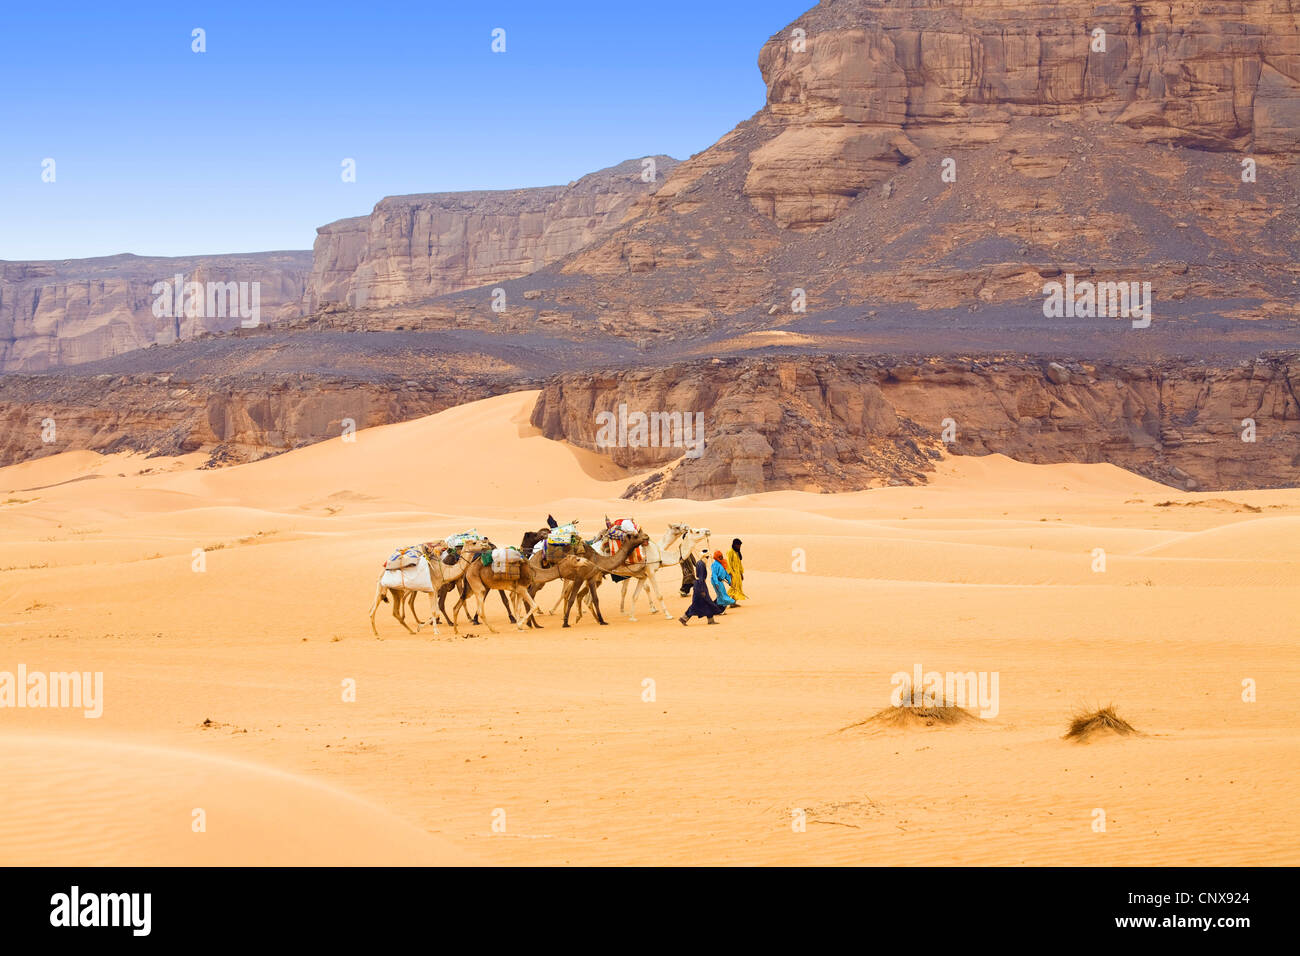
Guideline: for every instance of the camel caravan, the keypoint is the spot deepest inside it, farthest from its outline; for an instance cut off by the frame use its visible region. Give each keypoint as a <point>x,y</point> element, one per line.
<point>472,566</point>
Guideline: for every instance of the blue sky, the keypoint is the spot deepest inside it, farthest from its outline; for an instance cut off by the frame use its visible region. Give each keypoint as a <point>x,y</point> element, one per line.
<point>162,151</point>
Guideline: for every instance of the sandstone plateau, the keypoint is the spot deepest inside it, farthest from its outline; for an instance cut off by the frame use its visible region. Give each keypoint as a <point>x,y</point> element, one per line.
<point>415,247</point>
<point>409,248</point>
<point>79,310</point>
<point>918,171</point>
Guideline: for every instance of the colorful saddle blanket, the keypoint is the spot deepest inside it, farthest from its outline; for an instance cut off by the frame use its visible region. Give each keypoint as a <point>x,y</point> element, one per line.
<point>620,529</point>
<point>404,558</point>
<point>458,540</point>
<point>563,535</point>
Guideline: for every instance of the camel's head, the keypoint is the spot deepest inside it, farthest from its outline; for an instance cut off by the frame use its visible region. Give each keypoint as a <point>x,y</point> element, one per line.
<point>472,546</point>
<point>676,532</point>
<point>697,536</point>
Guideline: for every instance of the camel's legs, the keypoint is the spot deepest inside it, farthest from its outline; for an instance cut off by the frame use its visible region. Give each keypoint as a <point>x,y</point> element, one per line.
<point>434,619</point>
<point>480,598</point>
<point>589,590</point>
<point>654,588</point>
<point>416,614</point>
<point>463,592</point>
<point>408,599</point>
<point>399,607</point>
<point>572,589</point>
<point>518,601</point>
<point>522,592</point>
<point>379,595</point>
<point>558,602</point>
<point>506,604</point>
<point>582,592</point>
<point>631,616</point>
<point>442,603</point>
<point>595,603</point>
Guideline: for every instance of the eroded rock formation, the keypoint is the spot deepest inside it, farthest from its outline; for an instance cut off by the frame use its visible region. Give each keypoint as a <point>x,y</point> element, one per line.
<point>839,424</point>
<point>414,247</point>
<point>858,88</point>
<point>81,310</point>
<point>231,419</point>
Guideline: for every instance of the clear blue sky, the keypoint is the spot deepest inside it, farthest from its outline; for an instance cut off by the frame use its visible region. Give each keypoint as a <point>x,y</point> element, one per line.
<point>162,151</point>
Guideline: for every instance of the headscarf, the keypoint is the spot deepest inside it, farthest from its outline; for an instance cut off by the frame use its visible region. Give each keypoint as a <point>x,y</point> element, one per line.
<point>717,555</point>
<point>735,546</point>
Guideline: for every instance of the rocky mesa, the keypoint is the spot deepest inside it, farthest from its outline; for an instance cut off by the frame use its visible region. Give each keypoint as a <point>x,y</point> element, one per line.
<point>80,310</point>
<point>415,247</point>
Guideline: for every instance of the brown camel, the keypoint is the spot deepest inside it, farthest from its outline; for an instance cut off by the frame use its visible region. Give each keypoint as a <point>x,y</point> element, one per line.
<point>608,563</point>
<point>575,572</point>
<point>481,578</point>
<point>579,575</point>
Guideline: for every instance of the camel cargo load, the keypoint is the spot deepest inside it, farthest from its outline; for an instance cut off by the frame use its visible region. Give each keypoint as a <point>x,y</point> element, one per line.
<point>507,562</point>
<point>416,577</point>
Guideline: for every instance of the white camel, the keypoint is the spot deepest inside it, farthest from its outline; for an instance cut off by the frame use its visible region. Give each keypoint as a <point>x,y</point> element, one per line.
<point>657,556</point>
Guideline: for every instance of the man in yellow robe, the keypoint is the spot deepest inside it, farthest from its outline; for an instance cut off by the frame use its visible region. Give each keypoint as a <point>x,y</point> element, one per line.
<point>736,565</point>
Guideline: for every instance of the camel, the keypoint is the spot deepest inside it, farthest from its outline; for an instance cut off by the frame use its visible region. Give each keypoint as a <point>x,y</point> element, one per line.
<point>462,592</point>
<point>440,573</point>
<point>655,559</point>
<point>581,576</point>
<point>481,579</point>
<point>576,573</point>
<point>608,564</point>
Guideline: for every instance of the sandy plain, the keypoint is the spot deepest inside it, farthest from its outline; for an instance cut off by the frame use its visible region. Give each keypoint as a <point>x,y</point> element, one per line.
<point>223,687</point>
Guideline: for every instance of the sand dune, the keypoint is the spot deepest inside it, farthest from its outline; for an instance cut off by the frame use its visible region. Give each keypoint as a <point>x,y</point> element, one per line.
<point>991,568</point>
<point>70,801</point>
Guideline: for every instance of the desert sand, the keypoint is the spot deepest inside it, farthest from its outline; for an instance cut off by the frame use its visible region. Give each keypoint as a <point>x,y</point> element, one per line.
<point>223,688</point>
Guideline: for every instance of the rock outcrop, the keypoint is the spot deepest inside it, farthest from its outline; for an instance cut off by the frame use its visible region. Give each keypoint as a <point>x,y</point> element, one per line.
<point>82,310</point>
<point>413,247</point>
<point>858,88</point>
<point>231,419</point>
<point>956,155</point>
<point>839,424</point>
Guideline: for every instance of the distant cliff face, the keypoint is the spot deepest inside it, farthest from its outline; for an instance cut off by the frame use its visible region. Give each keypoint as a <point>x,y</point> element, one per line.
<point>232,420</point>
<point>414,247</point>
<point>843,424</point>
<point>865,86</point>
<point>56,314</point>
<point>80,310</point>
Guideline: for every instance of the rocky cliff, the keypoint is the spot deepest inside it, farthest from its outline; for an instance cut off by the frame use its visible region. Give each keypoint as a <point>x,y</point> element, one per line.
<point>80,310</point>
<point>956,155</point>
<point>231,419</point>
<point>858,88</point>
<point>56,314</point>
<point>843,423</point>
<point>414,247</point>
